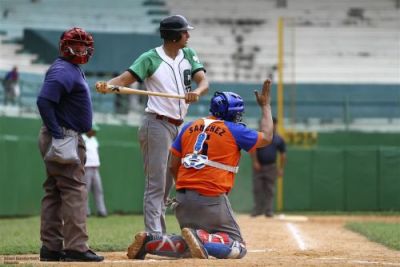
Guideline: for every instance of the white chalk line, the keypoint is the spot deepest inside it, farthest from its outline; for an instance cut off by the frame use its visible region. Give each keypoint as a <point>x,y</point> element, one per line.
<point>259,250</point>
<point>296,235</point>
<point>132,261</point>
<point>356,261</point>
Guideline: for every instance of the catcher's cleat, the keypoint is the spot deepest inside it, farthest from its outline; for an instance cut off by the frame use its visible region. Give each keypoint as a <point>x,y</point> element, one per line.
<point>137,249</point>
<point>194,243</point>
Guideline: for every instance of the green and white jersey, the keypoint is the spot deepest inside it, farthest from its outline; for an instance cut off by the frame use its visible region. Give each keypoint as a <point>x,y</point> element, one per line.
<point>161,73</point>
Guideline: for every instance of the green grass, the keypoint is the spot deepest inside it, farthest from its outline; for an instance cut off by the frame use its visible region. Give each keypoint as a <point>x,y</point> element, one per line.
<point>113,233</point>
<point>388,234</point>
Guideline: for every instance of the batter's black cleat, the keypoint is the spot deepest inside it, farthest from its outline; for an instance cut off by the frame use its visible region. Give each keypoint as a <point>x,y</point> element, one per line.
<point>51,255</point>
<point>137,249</point>
<point>72,255</point>
<point>194,243</point>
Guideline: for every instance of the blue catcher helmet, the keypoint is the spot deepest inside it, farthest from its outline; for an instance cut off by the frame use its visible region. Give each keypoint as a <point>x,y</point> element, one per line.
<point>227,106</point>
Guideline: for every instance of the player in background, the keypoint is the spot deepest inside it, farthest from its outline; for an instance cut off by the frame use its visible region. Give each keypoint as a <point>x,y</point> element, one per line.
<point>92,171</point>
<point>205,158</point>
<point>168,68</point>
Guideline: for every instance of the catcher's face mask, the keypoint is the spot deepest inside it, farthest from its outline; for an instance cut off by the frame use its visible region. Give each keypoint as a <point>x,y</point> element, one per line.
<point>76,45</point>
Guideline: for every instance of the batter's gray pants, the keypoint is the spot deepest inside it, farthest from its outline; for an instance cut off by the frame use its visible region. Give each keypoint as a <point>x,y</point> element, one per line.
<point>93,184</point>
<point>156,138</point>
<point>264,189</point>
<point>213,214</point>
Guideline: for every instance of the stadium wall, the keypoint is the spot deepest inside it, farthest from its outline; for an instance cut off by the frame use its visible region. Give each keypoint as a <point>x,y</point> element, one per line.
<point>114,52</point>
<point>323,101</point>
<point>325,177</point>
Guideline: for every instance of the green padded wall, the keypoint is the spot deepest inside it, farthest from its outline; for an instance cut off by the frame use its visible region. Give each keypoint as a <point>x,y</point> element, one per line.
<point>241,195</point>
<point>389,173</point>
<point>297,180</point>
<point>327,185</point>
<point>21,178</point>
<point>361,178</point>
<point>329,177</point>
<point>122,176</point>
<point>22,170</point>
<point>353,138</point>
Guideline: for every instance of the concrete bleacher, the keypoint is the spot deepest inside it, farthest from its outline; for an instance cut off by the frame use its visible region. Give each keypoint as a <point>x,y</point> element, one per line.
<point>325,41</point>
<point>237,40</point>
<point>93,15</point>
<point>10,57</point>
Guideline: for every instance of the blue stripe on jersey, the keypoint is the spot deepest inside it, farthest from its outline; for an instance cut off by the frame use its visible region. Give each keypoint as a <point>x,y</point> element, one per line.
<point>245,137</point>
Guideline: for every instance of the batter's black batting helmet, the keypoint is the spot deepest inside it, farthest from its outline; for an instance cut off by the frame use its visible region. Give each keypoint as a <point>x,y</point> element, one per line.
<point>172,26</point>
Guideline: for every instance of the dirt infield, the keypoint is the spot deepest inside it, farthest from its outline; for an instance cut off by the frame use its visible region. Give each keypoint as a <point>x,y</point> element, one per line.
<point>282,241</point>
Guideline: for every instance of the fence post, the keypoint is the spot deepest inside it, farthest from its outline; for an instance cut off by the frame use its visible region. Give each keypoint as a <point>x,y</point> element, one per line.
<point>346,109</point>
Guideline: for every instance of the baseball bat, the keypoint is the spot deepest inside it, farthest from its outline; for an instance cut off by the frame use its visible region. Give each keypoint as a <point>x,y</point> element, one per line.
<point>116,89</point>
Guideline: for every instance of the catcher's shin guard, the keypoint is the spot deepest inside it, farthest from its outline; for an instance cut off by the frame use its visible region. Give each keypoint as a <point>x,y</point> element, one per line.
<point>221,246</point>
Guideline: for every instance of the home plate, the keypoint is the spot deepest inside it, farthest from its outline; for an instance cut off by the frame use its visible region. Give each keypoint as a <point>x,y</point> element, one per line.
<point>291,218</point>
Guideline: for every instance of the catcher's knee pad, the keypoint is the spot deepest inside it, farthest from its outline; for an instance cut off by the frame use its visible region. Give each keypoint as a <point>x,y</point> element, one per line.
<point>221,246</point>
<point>167,245</point>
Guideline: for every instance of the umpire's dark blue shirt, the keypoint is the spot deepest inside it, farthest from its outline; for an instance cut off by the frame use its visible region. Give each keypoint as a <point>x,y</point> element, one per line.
<point>267,154</point>
<point>64,99</point>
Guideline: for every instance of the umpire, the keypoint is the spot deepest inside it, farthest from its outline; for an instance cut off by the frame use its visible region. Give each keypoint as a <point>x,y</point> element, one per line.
<point>265,173</point>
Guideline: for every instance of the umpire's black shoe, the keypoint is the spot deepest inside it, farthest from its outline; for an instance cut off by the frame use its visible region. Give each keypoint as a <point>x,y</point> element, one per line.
<point>72,255</point>
<point>51,255</point>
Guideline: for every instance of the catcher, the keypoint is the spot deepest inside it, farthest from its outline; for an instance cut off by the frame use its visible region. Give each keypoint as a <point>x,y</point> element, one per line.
<point>205,158</point>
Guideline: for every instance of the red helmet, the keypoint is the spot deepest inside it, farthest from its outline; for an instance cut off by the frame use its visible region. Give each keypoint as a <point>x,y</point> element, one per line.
<point>76,45</point>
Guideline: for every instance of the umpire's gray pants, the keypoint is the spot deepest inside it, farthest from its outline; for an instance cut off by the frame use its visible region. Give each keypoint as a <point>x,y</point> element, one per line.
<point>213,214</point>
<point>63,210</point>
<point>156,138</point>
<point>264,189</point>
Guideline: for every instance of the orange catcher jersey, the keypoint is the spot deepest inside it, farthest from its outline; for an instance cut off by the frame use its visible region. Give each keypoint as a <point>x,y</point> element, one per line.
<point>223,143</point>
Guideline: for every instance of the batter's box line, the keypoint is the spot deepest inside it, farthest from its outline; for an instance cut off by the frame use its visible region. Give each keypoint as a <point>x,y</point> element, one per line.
<point>357,261</point>
<point>260,250</point>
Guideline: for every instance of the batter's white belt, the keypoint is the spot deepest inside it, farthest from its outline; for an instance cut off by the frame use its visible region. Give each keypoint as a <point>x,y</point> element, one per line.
<point>200,161</point>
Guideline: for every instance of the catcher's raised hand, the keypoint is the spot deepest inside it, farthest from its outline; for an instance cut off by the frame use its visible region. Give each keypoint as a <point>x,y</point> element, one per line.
<point>101,87</point>
<point>264,98</point>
